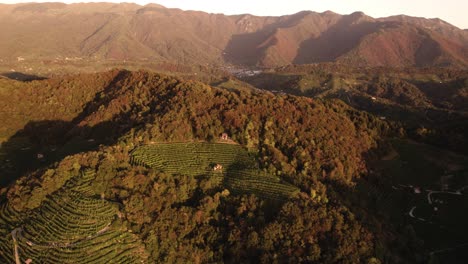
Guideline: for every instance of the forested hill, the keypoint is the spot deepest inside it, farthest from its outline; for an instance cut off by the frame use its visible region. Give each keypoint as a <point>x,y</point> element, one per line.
<point>148,107</point>
<point>143,167</point>
<point>76,139</point>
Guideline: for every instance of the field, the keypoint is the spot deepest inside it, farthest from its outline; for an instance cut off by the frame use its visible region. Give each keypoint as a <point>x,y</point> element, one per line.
<point>239,171</point>
<point>71,226</point>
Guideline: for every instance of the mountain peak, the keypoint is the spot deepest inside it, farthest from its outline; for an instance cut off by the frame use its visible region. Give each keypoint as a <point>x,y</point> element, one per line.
<point>358,14</point>
<point>153,5</point>
<point>151,8</point>
<point>329,13</point>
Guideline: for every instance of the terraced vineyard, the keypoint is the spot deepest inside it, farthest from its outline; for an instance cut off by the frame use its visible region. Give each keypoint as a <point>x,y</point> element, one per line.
<point>240,173</point>
<point>71,226</point>
<point>263,186</point>
<point>192,158</point>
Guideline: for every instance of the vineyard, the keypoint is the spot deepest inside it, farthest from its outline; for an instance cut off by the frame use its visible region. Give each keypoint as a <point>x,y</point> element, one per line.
<point>263,186</point>
<point>71,226</point>
<point>240,173</point>
<point>192,159</point>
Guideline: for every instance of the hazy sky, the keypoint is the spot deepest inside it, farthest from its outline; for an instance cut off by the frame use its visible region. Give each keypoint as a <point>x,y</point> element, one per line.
<point>452,11</point>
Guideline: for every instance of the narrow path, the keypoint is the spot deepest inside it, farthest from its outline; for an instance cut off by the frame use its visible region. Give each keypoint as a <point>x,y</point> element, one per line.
<point>15,245</point>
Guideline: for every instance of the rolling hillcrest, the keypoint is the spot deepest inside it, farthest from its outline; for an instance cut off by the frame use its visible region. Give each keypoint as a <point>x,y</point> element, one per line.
<point>114,32</point>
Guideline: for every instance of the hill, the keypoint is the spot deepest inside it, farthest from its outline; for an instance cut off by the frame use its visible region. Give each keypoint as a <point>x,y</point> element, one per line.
<point>125,164</point>
<point>56,33</point>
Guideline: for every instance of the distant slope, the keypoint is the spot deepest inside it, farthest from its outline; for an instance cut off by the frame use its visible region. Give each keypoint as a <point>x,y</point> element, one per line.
<point>106,31</point>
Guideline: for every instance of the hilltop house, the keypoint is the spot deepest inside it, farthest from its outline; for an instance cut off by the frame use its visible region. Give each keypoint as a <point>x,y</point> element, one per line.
<point>224,136</point>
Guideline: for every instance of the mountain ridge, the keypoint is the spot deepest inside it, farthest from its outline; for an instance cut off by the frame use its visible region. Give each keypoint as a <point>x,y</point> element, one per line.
<point>126,31</point>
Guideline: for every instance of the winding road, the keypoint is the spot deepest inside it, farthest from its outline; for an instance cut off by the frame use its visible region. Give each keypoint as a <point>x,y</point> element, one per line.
<point>429,199</point>
<point>430,202</point>
<point>411,213</point>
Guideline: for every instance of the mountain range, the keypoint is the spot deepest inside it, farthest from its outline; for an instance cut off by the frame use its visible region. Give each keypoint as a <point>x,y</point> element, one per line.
<point>108,32</point>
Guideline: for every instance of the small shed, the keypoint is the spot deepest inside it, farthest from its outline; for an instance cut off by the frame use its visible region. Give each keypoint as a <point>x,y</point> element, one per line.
<point>218,167</point>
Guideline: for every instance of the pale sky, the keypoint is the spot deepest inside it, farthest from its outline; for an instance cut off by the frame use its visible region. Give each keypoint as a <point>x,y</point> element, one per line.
<point>452,11</point>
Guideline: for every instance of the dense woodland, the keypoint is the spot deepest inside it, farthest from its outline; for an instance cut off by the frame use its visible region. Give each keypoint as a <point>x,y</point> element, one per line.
<point>322,146</point>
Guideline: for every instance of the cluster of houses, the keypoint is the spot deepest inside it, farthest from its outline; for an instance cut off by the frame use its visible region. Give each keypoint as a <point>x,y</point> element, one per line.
<point>243,72</point>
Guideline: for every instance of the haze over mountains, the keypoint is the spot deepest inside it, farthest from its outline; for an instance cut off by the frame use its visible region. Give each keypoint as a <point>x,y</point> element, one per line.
<point>106,31</point>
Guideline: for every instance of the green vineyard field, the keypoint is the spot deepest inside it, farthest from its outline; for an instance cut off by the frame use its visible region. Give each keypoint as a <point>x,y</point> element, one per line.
<point>70,226</point>
<point>239,170</point>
